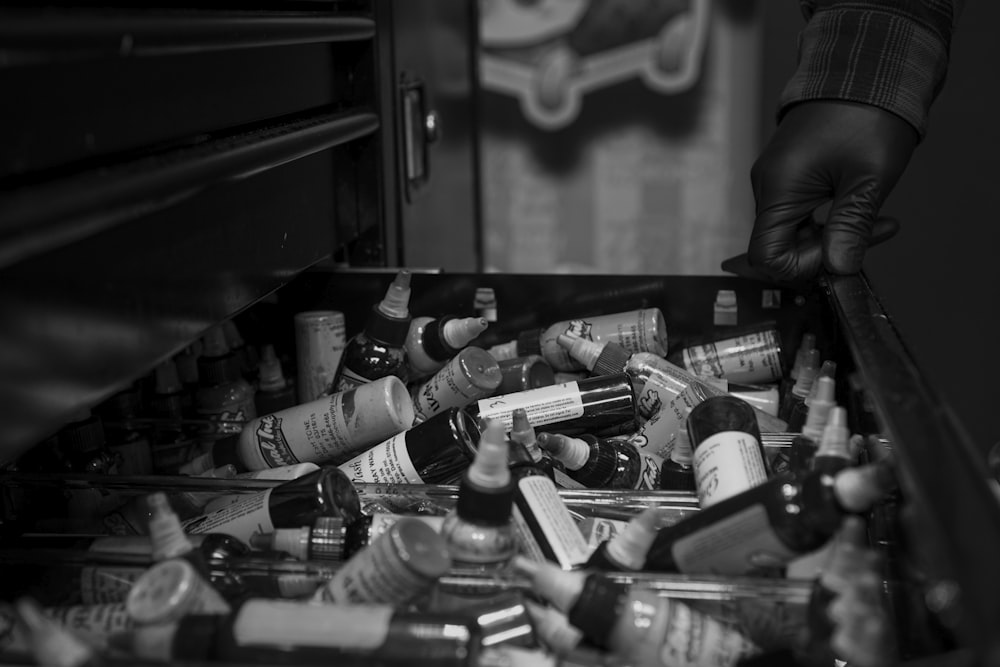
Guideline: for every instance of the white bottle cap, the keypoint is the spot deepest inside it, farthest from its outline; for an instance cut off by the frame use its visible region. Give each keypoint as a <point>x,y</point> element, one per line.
<point>807,373</point>
<point>582,350</point>
<point>396,301</point>
<point>571,452</point>
<point>819,408</point>
<point>489,469</point>
<point>269,370</point>
<point>560,587</point>
<point>292,541</point>
<point>163,593</point>
<point>461,331</point>
<point>836,435</point>
<point>166,534</point>
<point>630,546</point>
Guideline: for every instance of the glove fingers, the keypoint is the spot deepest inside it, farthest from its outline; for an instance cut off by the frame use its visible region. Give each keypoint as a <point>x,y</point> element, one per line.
<point>782,248</point>
<point>849,230</point>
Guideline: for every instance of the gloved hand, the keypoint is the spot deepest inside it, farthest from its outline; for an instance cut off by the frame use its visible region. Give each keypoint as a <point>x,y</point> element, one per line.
<point>826,150</point>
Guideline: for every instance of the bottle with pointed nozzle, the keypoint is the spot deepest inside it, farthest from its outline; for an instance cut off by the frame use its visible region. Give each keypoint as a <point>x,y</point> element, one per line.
<point>627,550</point>
<point>596,463</point>
<point>834,453</point>
<point>378,350</point>
<point>431,342</point>
<point>818,413</point>
<point>522,432</point>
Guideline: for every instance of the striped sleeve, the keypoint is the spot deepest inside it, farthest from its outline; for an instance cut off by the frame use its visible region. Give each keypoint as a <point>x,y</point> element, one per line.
<point>888,53</point>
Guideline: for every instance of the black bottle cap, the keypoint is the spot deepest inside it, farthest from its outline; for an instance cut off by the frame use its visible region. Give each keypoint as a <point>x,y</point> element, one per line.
<point>481,505</point>
<point>226,451</point>
<point>598,608</point>
<point>612,359</point>
<point>83,436</point>
<point>436,347</point>
<point>386,329</point>
<point>327,538</point>
<point>529,342</point>
<point>675,477</point>
<point>218,370</point>
<point>603,461</point>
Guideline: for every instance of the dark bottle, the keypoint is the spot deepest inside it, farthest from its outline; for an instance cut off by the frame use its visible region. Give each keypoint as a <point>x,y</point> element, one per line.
<point>124,437</point>
<point>83,446</point>
<point>274,392</point>
<point>286,632</point>
<point>796,396</point>
<point>524,373</point>
<point>585,406</point>
<point>173,445</point>
<point>544,526</point>
<point>728,455</point>
<point>595,463</point>
<point>818,408</point>
<point>768,525</point>
<point>677,472</point>
<point>752,356</point>
<point>432,452</point>
<point>523,432</point>
<point>223,396</point>
<point>298,502</point>
<point>378,350</point>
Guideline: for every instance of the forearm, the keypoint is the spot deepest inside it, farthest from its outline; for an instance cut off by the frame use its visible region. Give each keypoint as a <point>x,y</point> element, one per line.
<point>892,54</point>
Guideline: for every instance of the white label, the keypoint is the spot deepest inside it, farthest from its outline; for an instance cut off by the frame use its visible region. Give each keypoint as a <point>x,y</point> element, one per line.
<point>544,405</point>
<point>387,463</point>
<point>556,525</point>
<point>242,519</point>
<point>746,359</point>
<point>725,464</point>
<point>596,530</point>
<point>693,639</point>
<point>280,623</point>
<point>737,545</point>
<point>651,467</point>
<point>376,574</point>
<point>104,585</point>
<point>526,540</point>
<point>382,521</point>
<point>93,623</point>
<point>449,388</point>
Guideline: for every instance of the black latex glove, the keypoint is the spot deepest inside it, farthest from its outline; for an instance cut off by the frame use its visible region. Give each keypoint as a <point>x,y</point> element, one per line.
<point>848,154</point>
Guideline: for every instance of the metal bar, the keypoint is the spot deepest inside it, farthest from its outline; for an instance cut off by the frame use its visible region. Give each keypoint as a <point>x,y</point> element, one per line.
<point>159,32</point>
<point>940,471</point>
<point>37,219</point>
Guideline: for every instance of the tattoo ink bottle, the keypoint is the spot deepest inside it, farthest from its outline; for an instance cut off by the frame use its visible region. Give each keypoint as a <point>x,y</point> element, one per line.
<point>274,392</point>
<point>169,590</point>
<point>524,373</point>
<point>223,395</point>
<point>545,528</point>
<point>330,429</point>
<point>172,444</point>
<point>803,383</point>
<point>800,411</point>
<point>329,539</point>
<point>807,344</point>
<point>595,463</point>
<point>834,453</point>
<point>479,532</point>
<point>431,342</point>
<point>432,452</point>
<point>750,358</point>
<point>399,565</point>
<point>804,445</point>
<point>319,343</point>
<point>218,500</point>
<point>769,525</point>
<point>586,406</point>
<point>246,355</point>
<point>522,432</point>
<point>677,472</point>
<point>728,456</point>
<point>129,441</point>
<point>326,492</point>
<point>378,350</point>
<point>626,551</point>
<point>636,623</point>
<point>470,375</point>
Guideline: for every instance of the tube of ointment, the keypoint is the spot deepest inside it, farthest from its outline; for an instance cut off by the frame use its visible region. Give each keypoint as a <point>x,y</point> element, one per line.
<point>282,473</point>
<point>763,397</point>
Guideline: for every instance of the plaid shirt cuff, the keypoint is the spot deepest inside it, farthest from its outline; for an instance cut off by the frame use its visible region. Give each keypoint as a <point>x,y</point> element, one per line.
<point>874,56</point>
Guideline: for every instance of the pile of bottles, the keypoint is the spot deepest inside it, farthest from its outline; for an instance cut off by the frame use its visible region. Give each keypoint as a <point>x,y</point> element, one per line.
<point>579,495</point>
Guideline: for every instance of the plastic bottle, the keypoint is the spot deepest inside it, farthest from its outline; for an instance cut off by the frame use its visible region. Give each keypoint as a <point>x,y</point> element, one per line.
<point>331,429</point>
<point>627,550</point>
<point>804,446</point>
<point>752,357</point>
<point>218,500</point>
<point>677,472</point>
<point>470,375</point>
<point>596,463</point>
<point>274,392</point>
<point>431,342</point>
<point>636,623</point>
<point>642,330</point>
<point>768,525</point>
<point>796,396</point>
<point>478,531</point>
<point>806,344</point>
<point>319,344</point>
<point>587,406</point>
<point>129,441</point>
<point>834,452</point>
<point>223,395</point>
<point>524,373</point>
<point>545,528</point>
<point>728,457</point>
<point>396,567</point>
<point>172,445</point>
<point>329,539</point>
<point>800,411</point>
<point>169,590</point>
<point>521,431</point>
<point>278,631</point>
<point>433,452</point>
<point>326,492</point>
<point>378,350</point>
